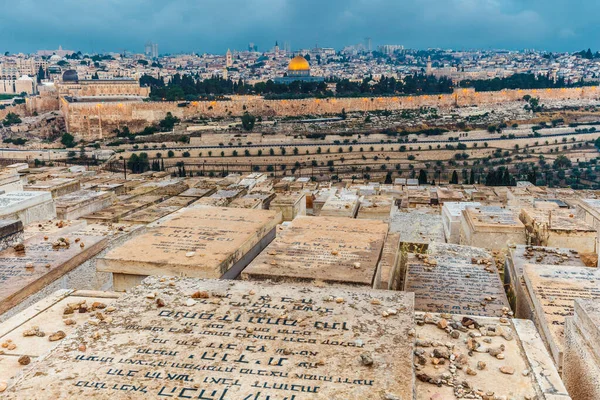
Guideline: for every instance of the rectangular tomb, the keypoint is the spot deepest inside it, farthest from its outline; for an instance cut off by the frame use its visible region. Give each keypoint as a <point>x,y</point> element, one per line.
<point>290,205</point>
<point>559,228</point>
<point>201,241</point>
<point>457,280</point>
<point>234,340</point>
<point>376,207</point>
<point>57,187</point>
<point>28,269</point>
<point>491,227</point>
<point>80,203</point>
<point>417,230</point>
<point>451,214</point>
<point>581,366</point>
<point>48,316</point>
<point>553,291</point>
<point>516,260</point>
<point>461,349</point>
<point>323,249</point>
<point>27,207</point>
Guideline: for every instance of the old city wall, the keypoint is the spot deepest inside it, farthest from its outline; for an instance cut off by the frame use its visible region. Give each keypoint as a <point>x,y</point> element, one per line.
<point>95,120</point>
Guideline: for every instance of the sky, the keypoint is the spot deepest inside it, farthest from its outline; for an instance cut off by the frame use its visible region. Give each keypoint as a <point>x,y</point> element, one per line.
<point>213,26</point>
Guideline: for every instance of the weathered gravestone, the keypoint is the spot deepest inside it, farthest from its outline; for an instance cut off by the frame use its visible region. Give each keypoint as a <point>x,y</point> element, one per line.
<point>553,290</point>
<point>39,261</point>
<point>201,242</point>
<point>467,357</point>
<point>333,250</point>
<point>188,338</point>
<point>27,206</point>
<point>516,260</point>
<point>36,330</point>
<point>456,279</point>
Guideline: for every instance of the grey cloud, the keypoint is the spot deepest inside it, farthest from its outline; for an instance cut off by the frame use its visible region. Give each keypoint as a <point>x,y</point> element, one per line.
<point>215,25</point>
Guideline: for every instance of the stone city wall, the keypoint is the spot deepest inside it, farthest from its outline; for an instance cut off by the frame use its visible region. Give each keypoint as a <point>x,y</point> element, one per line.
<point>96,120</point>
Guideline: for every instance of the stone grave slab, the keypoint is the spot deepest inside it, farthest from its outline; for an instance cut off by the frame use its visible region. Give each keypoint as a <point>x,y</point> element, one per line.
<point>417,230</point>
<point>118,211</point>
<point>290,204</point>
<point>46,228</point>
<point>234,340</point>
<point>150,214</point>
<point>553,290</point>
<point>516,260</point>
<point>491,227</point>
<point>376,207</point>
<point>248,203</point>
<point>10,181</point>
<point>27,206</point>
<point>57,187</point>
<point>341,205</point>
<point>388,270</point>
<point>529,371</point>
<point>456,280</point>
<point>25,271</point>
<point>198,192</point>
<point>82,202</point>
<point>199,242</point>
<point>48,315</point>
<point>334,250</point>
<point>451,214</point>
<point>581,366</point>
<point>11,232</point>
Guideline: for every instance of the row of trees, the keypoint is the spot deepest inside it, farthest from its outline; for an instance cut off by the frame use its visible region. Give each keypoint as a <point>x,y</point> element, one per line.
<point>192,87</point>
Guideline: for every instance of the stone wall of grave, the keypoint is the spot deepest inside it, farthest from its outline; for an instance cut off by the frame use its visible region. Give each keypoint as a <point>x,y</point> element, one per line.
<point>93,120</point>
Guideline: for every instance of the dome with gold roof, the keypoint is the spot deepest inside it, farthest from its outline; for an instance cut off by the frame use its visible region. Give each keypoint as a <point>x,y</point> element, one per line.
<point>299,67</point>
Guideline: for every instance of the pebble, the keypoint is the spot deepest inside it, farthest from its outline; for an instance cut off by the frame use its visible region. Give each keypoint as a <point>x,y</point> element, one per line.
<point>11,346</point>
<point>3,386</point>
<point>59,335</point>
<point>82,347</point>
<point>160,303</point>
<point>24,360</point>
<point>366,359</point>
<point>200,295</point>
<point>339,300</point>
<point>507,370</point>
<point>190,303</point>
<point>69,321</point>
<point>442,324</point>
<point>190,254</point>
<point>471,372</point>
<point>481,365</point>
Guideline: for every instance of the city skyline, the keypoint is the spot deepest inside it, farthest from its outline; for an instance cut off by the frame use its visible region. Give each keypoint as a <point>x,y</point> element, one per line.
<point>185,26</point>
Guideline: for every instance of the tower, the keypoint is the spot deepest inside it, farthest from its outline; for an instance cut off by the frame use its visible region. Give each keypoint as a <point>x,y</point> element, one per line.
<point>429,69</point>
<point>276,50</point>
<point>229,59</point>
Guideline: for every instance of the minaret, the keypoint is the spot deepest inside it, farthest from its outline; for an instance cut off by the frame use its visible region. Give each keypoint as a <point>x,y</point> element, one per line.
<point>429,70</point>
<point>229,59</point>
<point>276,49</point>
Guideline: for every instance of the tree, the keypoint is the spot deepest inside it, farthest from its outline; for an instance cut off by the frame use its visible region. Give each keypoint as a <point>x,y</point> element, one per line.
<point>422,177</point>
<point>11,119</point>
<point>248,121</point>
<point>472,177</point>
<point>454,179</point>
<point>168,123</point>
<point>561,162</point>
<point>67,140</point>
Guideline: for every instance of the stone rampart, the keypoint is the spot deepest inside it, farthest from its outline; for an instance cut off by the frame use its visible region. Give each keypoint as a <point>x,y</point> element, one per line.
<point>96,120</point>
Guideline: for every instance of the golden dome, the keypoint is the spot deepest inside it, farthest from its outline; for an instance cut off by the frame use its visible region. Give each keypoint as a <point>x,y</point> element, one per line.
<point>299,63</point>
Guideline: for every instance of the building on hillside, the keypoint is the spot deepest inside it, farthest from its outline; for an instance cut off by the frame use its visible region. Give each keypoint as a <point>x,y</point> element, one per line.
<point>298,70</point>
